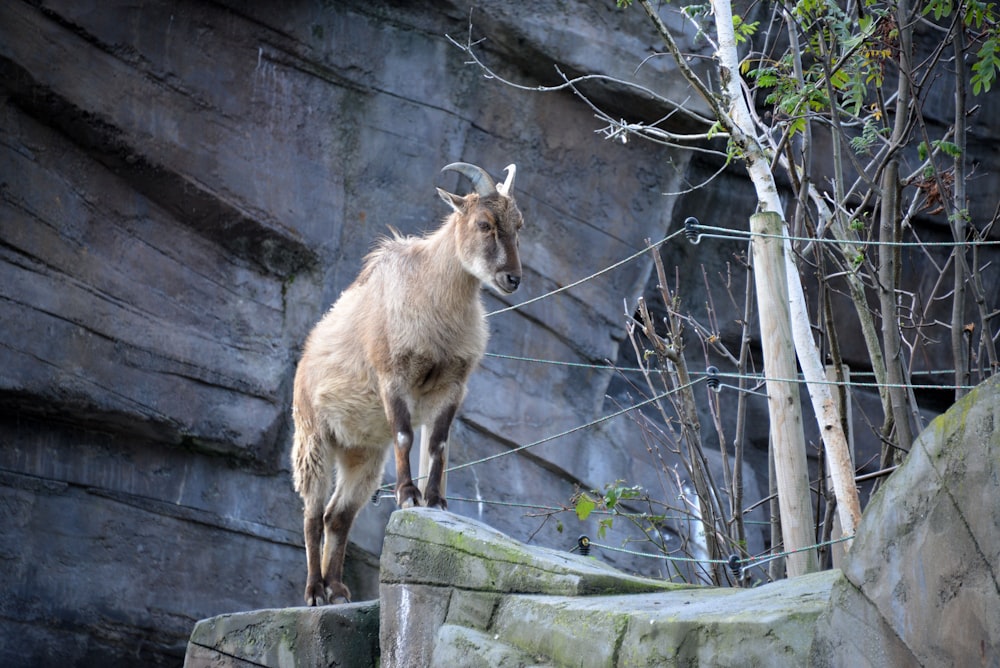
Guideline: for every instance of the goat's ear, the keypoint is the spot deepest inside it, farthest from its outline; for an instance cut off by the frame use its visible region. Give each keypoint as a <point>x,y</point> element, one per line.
<point>454,201</point>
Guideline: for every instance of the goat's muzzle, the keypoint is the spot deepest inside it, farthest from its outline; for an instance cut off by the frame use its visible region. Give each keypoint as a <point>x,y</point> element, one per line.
<point>507,281</point>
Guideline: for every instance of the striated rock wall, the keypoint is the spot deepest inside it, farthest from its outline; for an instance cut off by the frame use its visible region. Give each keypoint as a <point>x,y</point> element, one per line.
<point>186,187</point>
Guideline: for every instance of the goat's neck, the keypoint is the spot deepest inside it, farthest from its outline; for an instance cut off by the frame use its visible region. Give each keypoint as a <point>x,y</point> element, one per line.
<point>444,267</point>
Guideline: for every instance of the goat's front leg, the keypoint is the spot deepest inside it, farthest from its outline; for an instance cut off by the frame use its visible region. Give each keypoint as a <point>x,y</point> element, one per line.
<point>407,494</point>
<point>433,492</point>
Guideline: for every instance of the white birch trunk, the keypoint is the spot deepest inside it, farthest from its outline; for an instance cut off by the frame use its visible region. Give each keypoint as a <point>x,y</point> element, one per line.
<point>758,167</point>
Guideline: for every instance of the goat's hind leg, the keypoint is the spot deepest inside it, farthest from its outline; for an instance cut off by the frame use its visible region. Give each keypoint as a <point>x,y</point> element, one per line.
<point>359,472</point>
<point>315,593</point>
<point>313,480</point>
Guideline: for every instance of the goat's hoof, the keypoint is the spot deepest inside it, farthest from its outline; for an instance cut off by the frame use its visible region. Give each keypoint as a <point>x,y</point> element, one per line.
<point>320,593</point>
<point>315,594</point>
<point>337,592</point>
<point>408,497</point>
<point>437,502</point>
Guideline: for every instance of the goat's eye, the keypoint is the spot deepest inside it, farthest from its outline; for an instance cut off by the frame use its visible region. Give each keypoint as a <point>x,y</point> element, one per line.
<point>484,225</point>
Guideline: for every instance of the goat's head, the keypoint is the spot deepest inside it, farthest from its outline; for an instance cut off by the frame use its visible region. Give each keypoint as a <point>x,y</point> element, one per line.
<point>487,222</point>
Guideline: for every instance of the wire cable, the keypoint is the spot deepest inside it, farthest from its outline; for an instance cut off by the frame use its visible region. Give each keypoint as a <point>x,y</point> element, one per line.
<point>730,233</point>
<point>592,423</point>
<point>590,277</point>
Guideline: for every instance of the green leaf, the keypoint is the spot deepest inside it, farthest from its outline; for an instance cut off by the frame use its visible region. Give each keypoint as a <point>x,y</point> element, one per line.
<point>840,79</point>
<point>742,30</point>
<point>584,506</point>
<point>797,126</point>
<point>948,148</point>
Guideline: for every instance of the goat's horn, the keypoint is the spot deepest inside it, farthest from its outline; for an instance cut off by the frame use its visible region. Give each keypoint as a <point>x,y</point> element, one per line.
<point>508,185</point>
<point>481,181</point>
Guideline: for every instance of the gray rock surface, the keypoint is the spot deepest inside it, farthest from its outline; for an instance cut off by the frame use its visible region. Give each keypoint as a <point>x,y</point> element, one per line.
<point>336,635</point>
<point>918,588</point>
<point>920,584</point>
<point>453,588</point>
<point>185,189</point>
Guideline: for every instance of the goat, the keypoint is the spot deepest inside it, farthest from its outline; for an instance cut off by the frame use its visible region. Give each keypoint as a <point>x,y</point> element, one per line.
<point>396,350</point>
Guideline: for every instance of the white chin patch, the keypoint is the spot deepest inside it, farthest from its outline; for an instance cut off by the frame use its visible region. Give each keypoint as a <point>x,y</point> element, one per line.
<point>480,270</point>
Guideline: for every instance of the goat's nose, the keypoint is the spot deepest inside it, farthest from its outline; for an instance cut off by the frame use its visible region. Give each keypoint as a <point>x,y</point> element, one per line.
<point>513,280</point>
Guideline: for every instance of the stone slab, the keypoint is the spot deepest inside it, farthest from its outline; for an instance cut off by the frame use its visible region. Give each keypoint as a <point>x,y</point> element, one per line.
<point>769,625</point>
<point>460,646</point>
<point>428,546</point>
<point>336,635</point>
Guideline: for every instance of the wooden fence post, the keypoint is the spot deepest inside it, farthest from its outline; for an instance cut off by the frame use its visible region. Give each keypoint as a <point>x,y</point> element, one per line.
<point>784,406</point>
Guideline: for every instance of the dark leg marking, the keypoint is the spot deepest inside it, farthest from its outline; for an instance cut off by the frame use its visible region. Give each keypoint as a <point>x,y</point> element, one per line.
<point>438,444</point>
<point>407,494</point>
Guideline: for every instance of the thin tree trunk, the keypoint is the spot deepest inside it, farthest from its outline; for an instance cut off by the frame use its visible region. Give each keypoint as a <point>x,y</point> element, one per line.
<point>888,266</point>
<point>741,414</point>
<point>887,276</point>
<point>961,339</point>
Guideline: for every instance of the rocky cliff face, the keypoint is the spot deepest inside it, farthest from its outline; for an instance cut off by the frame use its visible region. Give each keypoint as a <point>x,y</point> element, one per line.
<point>186,187</point>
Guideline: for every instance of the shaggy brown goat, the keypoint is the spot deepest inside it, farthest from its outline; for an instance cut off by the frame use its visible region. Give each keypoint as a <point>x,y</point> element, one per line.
<point>396,351</point>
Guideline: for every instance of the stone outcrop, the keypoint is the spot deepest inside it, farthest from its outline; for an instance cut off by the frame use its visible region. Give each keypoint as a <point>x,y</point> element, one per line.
<point>336,635</point>
<point>921,584</point>
<point>456,592</point>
